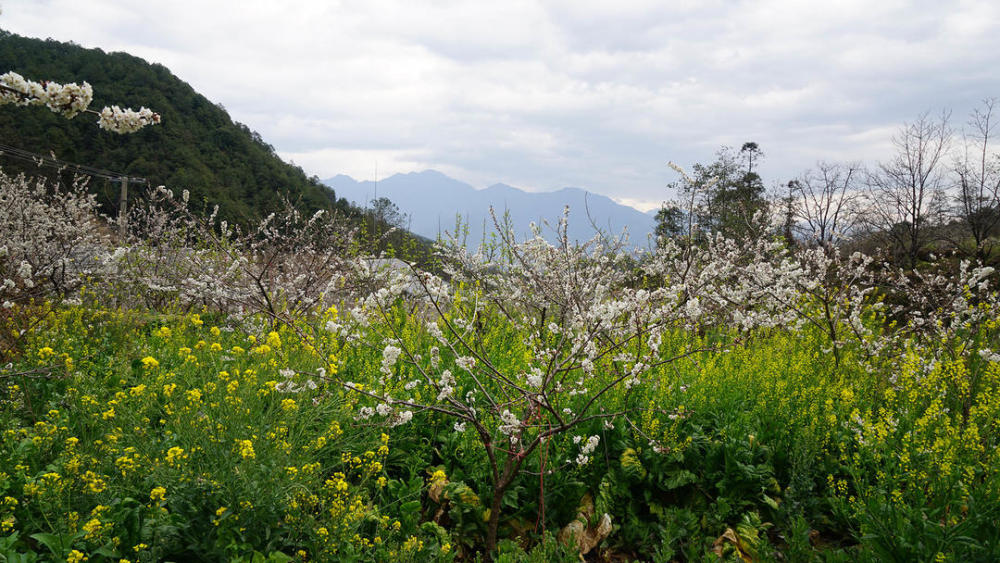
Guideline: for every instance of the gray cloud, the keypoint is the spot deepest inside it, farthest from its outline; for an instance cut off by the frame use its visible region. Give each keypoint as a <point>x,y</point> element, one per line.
<point>549,94</point>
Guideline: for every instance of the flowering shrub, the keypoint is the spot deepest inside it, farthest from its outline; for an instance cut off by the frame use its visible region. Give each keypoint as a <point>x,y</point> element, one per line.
<point>51,237</point>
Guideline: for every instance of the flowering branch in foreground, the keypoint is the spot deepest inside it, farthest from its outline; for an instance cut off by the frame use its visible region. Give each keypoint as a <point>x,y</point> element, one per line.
<point>71,99</point>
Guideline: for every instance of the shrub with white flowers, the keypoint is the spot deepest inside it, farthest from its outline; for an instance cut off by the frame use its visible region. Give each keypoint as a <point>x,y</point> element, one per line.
<point>50,239</point>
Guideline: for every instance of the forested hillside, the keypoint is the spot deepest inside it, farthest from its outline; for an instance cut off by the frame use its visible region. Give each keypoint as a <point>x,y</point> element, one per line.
<point>197,146</point>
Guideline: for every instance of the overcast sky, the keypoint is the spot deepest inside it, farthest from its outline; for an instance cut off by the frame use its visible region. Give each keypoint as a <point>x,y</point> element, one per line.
<point>542,95</point>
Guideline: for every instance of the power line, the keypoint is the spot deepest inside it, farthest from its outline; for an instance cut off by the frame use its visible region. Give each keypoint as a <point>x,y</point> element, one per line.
<point>42,160</point>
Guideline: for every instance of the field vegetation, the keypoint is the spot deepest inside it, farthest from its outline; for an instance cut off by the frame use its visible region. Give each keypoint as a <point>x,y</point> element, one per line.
<point>194,390</point>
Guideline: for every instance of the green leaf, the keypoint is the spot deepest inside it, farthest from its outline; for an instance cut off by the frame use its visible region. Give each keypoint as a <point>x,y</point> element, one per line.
<point>770,502</point>
<point>108,551</point>
<point>678,479</point>
<point>51,541</point>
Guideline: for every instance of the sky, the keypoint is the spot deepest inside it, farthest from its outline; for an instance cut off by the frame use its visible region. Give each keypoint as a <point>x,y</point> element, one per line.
<point>543,95</point>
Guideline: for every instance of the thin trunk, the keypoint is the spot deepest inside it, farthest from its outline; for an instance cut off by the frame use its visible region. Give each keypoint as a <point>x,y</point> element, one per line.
<point>494,523</point>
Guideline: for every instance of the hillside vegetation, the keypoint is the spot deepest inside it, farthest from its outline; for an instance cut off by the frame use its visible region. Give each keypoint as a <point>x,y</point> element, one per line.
<point>197,147</point>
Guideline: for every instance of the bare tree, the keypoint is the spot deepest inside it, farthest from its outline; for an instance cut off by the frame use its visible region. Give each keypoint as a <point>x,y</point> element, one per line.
<point>978,174</point>
<point>824,202</point>
<point>905,196</point>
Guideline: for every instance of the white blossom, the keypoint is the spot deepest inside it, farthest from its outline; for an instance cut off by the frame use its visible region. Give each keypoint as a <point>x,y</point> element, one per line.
<point>535,379</point>
<point>126,120</point>
<point>389,356</point>
<point>402,418</point>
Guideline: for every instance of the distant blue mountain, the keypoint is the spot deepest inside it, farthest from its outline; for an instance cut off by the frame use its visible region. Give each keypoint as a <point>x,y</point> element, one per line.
<point>433,201</point>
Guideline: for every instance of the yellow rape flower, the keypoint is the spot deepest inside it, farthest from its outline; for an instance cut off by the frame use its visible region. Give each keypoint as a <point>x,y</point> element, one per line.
<point>150,362</point>
<point>175,455</point>
<point>158,494</point>
<point>274,339</point>
<point>246,449</point>
<point>95,484</point>
<point>218,515</point>
<point>92,527</point>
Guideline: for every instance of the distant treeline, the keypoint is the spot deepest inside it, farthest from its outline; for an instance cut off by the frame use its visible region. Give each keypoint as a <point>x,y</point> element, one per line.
<point>937,196</point>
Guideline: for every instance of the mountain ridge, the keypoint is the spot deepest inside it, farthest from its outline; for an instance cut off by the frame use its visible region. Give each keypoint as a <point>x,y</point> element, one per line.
<point>432,200</point>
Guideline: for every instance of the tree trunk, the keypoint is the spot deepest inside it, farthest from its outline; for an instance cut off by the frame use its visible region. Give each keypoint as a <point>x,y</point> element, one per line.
<point>494,522</point>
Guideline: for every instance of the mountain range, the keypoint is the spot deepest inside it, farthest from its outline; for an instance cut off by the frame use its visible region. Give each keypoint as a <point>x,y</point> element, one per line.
<point>433,202</point>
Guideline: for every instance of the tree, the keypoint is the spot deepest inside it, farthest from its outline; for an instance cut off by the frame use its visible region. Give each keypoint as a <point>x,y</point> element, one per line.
<point>670,222</point>
<point>388,213</point>
<point>725,197</point>
<point>905,196</point>
<point>823,203</point>
<point>978,175</point>
<point>737,200</point>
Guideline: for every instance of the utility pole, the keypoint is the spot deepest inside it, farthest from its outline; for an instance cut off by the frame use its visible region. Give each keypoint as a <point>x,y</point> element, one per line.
<point>122,208</point>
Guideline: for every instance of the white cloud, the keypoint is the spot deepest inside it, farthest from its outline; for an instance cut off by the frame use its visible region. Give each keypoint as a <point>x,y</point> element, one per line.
<point>548,94</point>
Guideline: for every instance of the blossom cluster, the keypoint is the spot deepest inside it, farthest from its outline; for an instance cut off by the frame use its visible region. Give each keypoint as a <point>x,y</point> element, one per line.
<point>67,100</point>
<point>586,449</point>
<point>71,99</point>
<point>126,120</point>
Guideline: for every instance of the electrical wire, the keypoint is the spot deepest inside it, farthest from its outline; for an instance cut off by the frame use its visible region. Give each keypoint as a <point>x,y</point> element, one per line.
<point>52,162</point>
